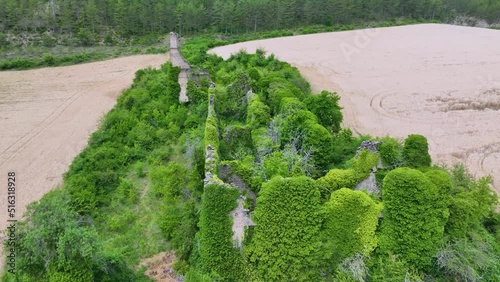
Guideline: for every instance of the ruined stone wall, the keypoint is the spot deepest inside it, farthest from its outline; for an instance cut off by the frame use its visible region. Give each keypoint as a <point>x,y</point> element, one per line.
<point>173,40</point>
<point>370,183</point>
<point>178,61</point>
<point>211,143</point>
<point>240,215</point>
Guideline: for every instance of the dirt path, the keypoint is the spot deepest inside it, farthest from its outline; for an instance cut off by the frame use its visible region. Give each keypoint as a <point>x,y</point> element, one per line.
<point>441,81</point>
<point>47,115</point>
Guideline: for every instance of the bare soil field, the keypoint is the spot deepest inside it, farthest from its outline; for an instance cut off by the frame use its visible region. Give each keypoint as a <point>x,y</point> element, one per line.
<point>47,116</point>
<point>441,81</point>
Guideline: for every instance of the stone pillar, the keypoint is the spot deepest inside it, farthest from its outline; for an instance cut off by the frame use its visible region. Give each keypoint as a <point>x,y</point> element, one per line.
<point>173,40</point>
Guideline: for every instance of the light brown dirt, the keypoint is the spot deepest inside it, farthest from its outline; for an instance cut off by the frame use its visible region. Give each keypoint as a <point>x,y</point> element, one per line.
<point>159,267</point>
<point>47,116</point>
<point>441,81</point>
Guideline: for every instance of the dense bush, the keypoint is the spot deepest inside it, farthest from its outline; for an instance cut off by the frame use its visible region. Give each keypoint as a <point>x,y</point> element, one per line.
<point>263,142</point>
<point>351,221</point>
<point>325,106</point>
<point>247,171</point>
<point>318,142</point>
<point>196,94</point>
<point>295,124</point>
<point>85,37</point>
<point>285,243</point>
<point>390,151</point>
<point>282,164</point>
<point>58,244</point>
<point>416,151</point>
<point>211,133</point>
<point>216,245</point>
<point>278,89</point>
<point>232,103</point>
<point>3,40</point>
<point>442,180</point>
<point>258,113</point>
<point>413,224</point>
<point>236,142</point>
<point>345,146</point>
<point>168,181</point>
<point>471,202</point>
<point>390,267</point>
<point>173,86</point>
<point>336,179</point>
<point>470,260</point>
<point>363,164</point>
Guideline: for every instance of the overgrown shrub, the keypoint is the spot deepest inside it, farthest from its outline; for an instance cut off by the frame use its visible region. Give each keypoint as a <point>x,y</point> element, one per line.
<point>350,223</point>
<point>168,181</point>
<point>326,107</point>
<point>285,242</point>
<point>258,113</point>
<point>211,133</point>
<point>216,246</point>
<point>468,259</point>
<point>471,202</point>
<point>336,179</point>
<point>85,37</point>
<point>236,142</point>
<point>416,151</point>
<point>3,40</point>
<point>248,171</point>
<point>195,94</point>
<point>58,244</point>
<point>390,151</point>
<point>344,146</point>
<point>363,164</point>
<point>413,224</point>
<point>262,142</point>
<point>48,41</point>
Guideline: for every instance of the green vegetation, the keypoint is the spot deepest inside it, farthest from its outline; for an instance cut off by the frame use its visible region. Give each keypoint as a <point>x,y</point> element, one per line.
<point>285,243</point>
<point>416,151</point>
<point>351,221</point>
<point>414,217</point>
<point>218,257</point>
<point>391,151</point>
<point>325,106</point>
<point>108,206</point>
<point>138,189</point>
<point>336,179</point>
<point>107,21</point>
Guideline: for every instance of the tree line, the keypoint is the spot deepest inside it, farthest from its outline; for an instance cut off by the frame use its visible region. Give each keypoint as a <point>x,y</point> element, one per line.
<point>139,17</point>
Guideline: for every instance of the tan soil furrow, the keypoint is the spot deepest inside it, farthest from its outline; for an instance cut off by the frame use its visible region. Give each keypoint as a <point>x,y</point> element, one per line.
<point>21,143</point>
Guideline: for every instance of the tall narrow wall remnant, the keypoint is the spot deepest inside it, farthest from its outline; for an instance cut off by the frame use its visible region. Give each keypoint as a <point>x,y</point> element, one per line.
<point>240,215</point>
<point>173,40</point>
<point>370,183</point>
<point>178,61</point>
<point>211,143</point>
